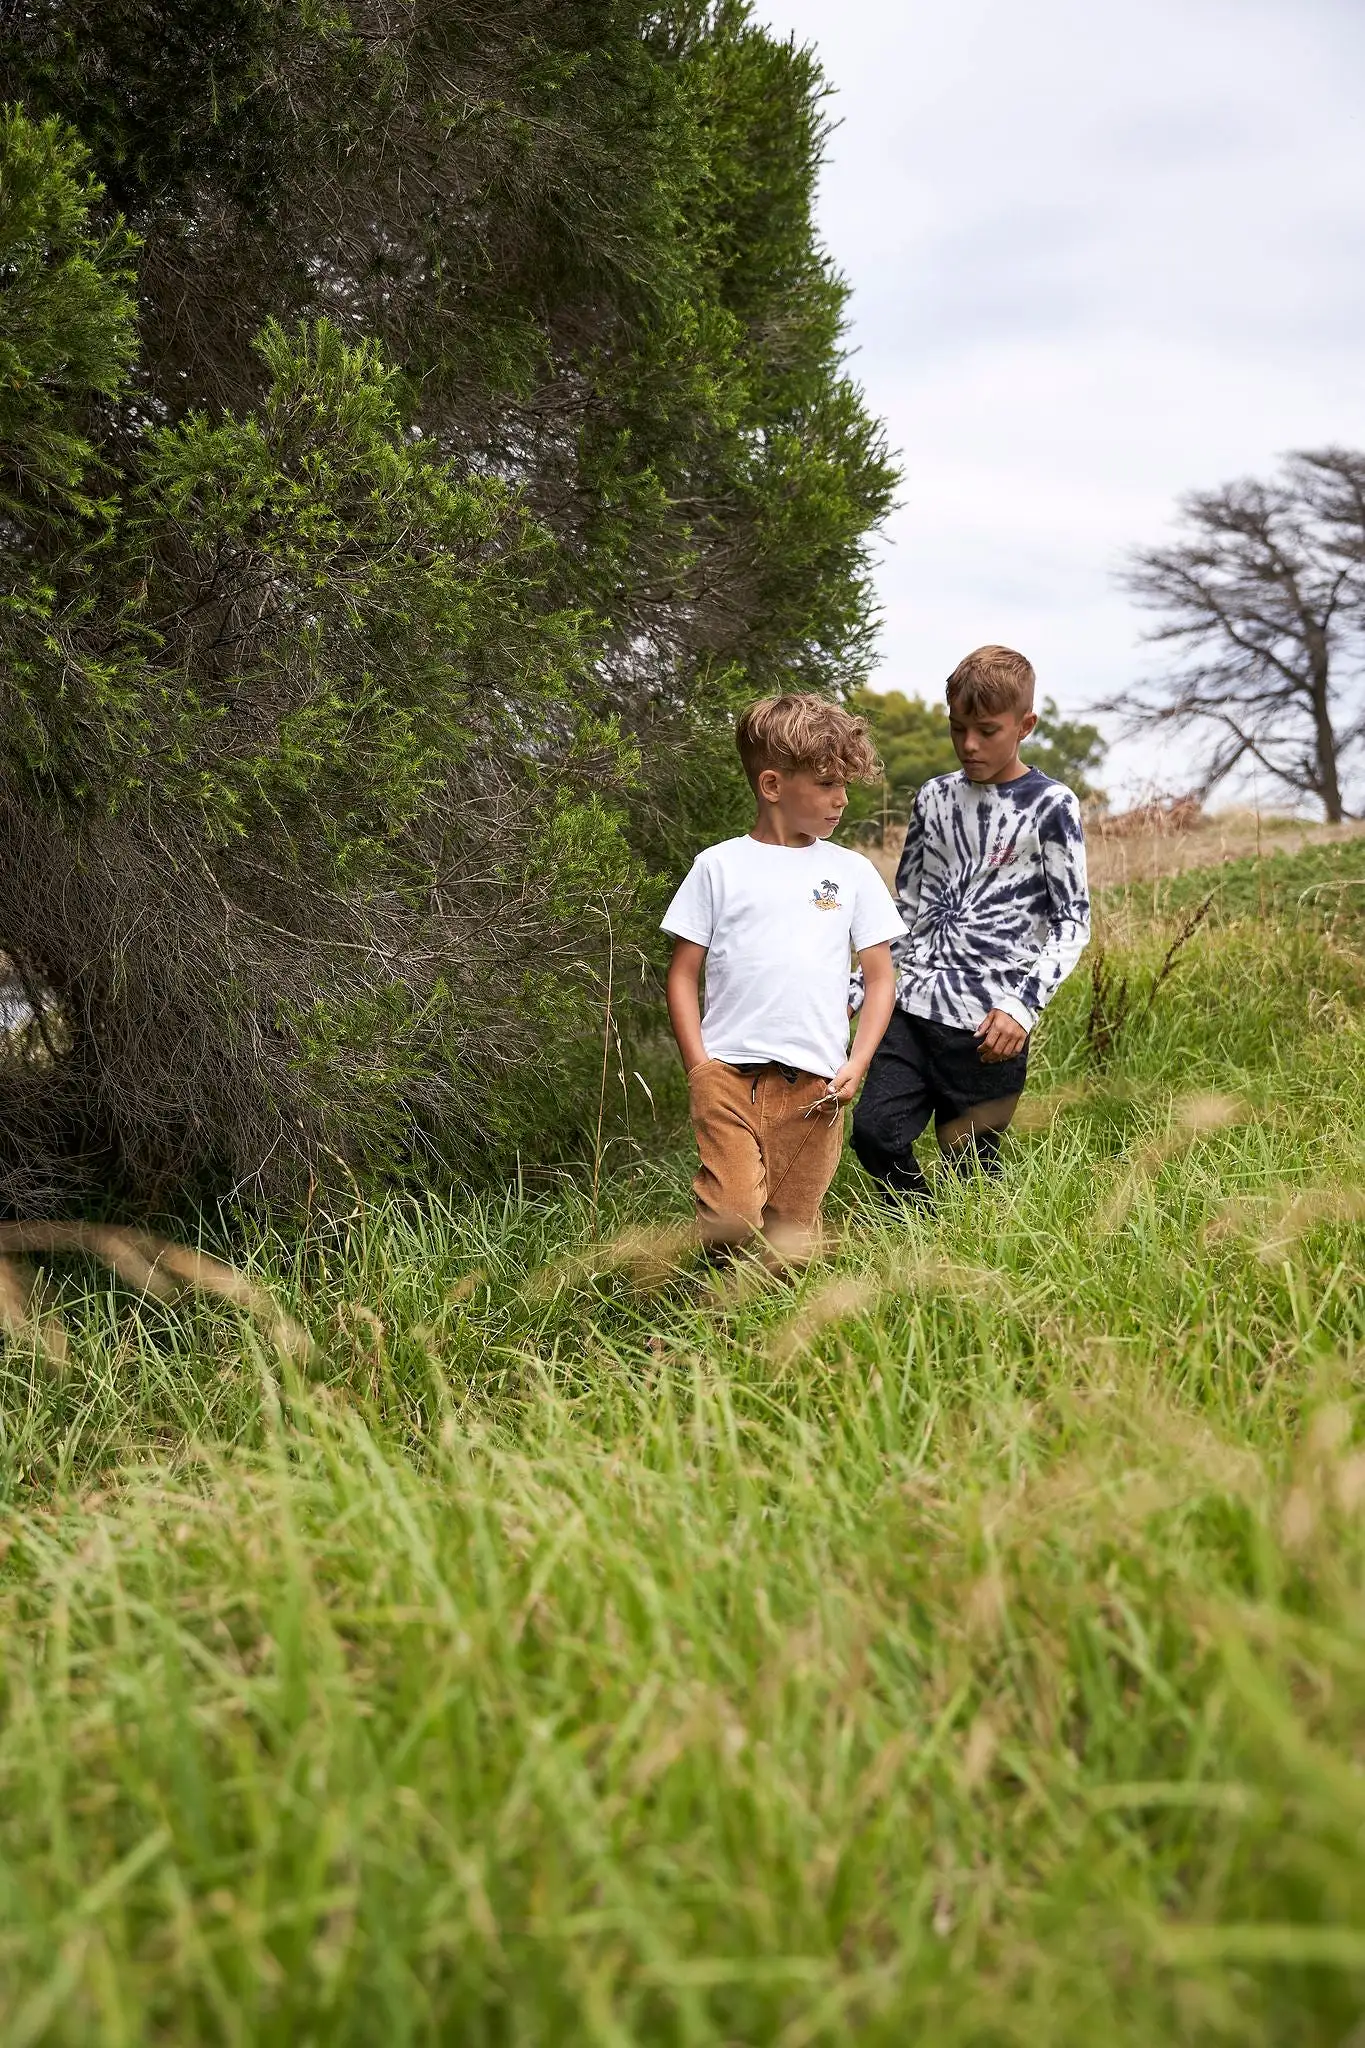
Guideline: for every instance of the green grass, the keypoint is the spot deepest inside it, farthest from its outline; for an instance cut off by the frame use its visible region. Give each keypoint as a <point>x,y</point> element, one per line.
<point>963,1645</point>
<point>1318,886</point>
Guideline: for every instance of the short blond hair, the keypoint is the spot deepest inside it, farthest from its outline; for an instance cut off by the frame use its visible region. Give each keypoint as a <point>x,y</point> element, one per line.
<point>992,679</point>
<point>800,730</point>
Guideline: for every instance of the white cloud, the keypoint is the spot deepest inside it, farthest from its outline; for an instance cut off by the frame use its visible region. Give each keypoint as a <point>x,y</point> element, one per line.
<point>1100,256</point>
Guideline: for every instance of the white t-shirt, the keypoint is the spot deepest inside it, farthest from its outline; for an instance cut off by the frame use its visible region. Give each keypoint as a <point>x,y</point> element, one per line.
<point>778,923</point>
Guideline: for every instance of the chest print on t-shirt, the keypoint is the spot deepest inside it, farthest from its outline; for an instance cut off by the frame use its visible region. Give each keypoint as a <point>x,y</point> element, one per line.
<point>826,897</point>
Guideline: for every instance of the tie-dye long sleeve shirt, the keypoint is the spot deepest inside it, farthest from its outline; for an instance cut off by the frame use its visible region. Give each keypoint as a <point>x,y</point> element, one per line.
<point>992,887</point>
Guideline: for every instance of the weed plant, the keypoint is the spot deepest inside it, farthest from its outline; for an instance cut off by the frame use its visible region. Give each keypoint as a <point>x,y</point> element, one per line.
<point>960,1644</point>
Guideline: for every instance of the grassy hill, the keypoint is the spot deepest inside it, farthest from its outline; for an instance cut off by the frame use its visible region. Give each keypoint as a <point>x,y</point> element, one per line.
<point>962,1645</point>
<point>1322,885</point>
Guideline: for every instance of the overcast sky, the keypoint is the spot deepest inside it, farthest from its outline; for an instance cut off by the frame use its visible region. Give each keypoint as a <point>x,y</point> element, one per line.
<point>1100,254</point>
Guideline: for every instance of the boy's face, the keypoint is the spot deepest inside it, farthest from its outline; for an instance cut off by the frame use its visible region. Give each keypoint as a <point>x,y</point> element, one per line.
<point>810,800</point>
<point>987,743</point>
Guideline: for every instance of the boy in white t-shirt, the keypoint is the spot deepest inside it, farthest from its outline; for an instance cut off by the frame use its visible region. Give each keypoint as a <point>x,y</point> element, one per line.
<point>774,918</point>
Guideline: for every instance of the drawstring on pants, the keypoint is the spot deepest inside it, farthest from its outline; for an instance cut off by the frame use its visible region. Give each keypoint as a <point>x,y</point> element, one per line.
<point>754,1074</point>
<point>756,1070</point>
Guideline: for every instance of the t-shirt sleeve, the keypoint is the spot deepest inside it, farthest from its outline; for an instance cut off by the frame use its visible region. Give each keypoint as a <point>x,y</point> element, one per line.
<point>876,917</point>
<point>691,914</point>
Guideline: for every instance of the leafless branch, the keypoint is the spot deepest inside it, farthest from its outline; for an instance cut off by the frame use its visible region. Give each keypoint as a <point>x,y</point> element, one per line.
<point>1261,602</point>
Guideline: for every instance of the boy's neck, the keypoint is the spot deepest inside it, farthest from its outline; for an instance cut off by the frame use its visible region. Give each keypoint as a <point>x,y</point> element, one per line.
<point>771,829</point>
<point>1013,773</point>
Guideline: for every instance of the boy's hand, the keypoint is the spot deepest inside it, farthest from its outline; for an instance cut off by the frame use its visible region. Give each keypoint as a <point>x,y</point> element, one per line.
<point>1000,1037</point>
<point>684,1001</point>
<point>847,1081</point>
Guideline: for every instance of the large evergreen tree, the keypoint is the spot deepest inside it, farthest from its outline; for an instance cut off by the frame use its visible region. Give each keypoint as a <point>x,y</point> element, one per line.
<point>478,437</point>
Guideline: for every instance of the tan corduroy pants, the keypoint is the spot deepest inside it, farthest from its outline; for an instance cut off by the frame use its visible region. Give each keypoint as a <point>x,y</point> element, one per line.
<point>768,1153</point>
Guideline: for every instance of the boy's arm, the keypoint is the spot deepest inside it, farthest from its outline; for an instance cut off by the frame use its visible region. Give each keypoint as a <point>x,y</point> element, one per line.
<point>684,1000</point>
<point>1062,849</point>
<point>909,882</point>
<point>910,869</point>
<point>909,877</point>
<point>879,1000</point>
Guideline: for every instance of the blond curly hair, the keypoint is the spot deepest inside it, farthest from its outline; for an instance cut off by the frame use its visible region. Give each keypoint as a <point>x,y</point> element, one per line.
<point>800,730</point>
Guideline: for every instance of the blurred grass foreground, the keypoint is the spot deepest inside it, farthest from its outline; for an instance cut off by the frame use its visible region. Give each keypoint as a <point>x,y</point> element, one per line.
<point>961,1645</point>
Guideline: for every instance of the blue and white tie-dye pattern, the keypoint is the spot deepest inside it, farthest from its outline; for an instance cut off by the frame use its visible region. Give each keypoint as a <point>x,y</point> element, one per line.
<point>992,888</point>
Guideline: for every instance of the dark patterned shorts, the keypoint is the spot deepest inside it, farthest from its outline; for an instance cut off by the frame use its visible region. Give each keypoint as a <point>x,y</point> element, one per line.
<point>920,1071</point>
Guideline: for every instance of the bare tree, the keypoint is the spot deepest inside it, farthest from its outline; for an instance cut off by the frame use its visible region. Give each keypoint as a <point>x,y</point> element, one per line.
<point>1262,604</point>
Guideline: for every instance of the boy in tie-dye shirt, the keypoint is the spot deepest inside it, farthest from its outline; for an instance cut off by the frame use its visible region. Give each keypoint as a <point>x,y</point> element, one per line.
<point>992,889</point>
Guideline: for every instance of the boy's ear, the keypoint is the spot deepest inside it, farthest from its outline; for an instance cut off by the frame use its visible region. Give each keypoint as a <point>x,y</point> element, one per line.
<point>1026,725</point>
<point>769,785</point>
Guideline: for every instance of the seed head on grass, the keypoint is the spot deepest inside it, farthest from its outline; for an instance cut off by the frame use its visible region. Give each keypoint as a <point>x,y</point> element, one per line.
<point>213,1276</point>
<point>1189,1117</point>
<point>21,1314</point>
<point>899,1274</point>
<point>467,1285</point>
<point>978,1753</point>
<point>986,1604</point>
<point>649,1254</point>
<point>1039,1111</point>
<point>1302,1211</point>
<point>836,1301</point>
<point>155,1265</point>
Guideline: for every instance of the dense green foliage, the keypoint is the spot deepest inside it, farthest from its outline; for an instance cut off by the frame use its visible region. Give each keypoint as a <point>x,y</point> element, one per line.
<point>381,593</point>
<point>66,319</point>
<point>913,740</point>
<point>961,1645</point>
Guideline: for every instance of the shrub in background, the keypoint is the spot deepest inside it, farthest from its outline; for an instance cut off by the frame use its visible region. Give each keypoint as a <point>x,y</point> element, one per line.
<point>477,440</point>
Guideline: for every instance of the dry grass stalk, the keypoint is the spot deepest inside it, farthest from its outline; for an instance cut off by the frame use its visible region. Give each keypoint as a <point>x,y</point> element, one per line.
<point>21,1317</point>
<point>1190,1117</point>
<point>1305,1208</point>
<point>609,1032</point>
<point>1160,816</point>
<point>154,1265</point>
<point>1114,1007</point>
<point>836,1302</point>
<point>357,1317</point>
<point>862,1294</point>
<point>650,1255</point>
